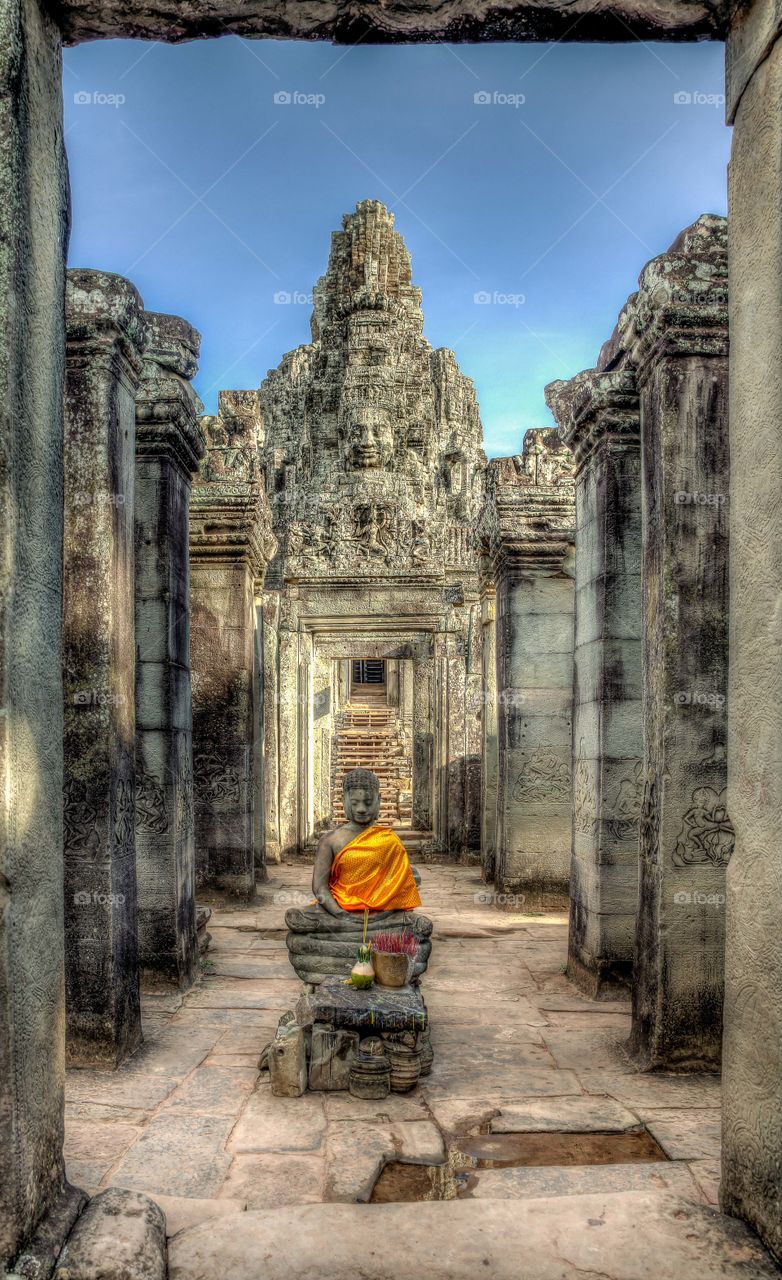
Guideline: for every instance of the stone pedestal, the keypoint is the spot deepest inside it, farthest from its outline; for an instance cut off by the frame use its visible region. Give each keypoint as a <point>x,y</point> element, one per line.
<point>33,230</point>
<point>686,837</point>
<point>105,338</point>
<point>169,444</point>
<point>598,417</point>
<point>752,1051</point>
<point>322,946</point>
<point>529,528</point>
<point>230,543</point>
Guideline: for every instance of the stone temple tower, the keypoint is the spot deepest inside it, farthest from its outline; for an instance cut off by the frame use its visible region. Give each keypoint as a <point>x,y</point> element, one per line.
<point>368,444</point>
<point>373,443</point>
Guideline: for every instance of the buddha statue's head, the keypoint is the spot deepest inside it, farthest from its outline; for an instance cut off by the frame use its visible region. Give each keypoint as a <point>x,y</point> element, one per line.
<point>361,797</point>
<point>366,439</point>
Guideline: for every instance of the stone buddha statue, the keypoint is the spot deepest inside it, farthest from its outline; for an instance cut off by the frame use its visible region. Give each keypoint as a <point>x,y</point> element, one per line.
<point>363,863</point>
<point>360,866</point>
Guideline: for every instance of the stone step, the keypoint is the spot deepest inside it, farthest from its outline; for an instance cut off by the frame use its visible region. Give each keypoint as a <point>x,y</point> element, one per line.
<point>632,1235</point>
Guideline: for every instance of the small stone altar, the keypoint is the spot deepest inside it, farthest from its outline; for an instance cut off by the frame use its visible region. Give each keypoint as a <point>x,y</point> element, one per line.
<point>370,1042</point>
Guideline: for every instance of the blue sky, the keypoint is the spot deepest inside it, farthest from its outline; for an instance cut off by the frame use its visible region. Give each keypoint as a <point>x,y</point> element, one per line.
<point>547,194</point>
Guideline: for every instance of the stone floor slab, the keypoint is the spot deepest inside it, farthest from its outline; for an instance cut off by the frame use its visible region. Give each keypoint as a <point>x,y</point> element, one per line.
<point>626,1236</point>
<point>178,1155</point>
<point>269,1181</point>
<point>574,1180</point>
<point>565,1115</point>
<point>214,1091</point>
<point>285,1125</point>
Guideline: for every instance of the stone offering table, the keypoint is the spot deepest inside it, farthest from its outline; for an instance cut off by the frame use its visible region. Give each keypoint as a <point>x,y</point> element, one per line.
<point>322,946</point>
<point>336,1027</point>
<point>371,1012</point>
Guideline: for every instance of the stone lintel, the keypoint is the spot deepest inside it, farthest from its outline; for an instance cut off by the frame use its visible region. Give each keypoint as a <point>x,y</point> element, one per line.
<point>397,21</point>
<point>104,317</point>
<point>595,409</point>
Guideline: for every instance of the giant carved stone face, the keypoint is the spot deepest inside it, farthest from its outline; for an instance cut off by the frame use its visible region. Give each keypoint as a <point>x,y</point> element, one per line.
<point>367,440</point>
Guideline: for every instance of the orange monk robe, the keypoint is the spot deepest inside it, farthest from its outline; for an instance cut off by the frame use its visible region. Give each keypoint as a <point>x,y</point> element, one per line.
<point>373,871</point>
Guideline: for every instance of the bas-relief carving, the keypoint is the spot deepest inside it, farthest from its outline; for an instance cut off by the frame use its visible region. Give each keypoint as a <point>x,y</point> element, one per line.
<point>124,815</point>
<point>707,836</point>
<point>544,776</point>
<point>624,807</point>
<point>214,777</point>
<point>583,801</point>
<point>151,807</point>
<point>80,819</point>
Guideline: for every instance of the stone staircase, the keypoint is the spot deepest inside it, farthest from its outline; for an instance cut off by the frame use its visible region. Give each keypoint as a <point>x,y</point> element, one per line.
<point>369,736</point>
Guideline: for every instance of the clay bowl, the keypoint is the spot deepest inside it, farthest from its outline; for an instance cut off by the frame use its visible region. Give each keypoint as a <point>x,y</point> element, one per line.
<point>391,968</point>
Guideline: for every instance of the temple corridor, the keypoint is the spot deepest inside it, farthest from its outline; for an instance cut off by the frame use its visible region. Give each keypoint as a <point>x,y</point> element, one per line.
<point>518,1050</point>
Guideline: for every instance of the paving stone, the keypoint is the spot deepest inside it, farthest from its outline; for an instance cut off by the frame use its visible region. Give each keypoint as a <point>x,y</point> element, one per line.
<point>397,1106</point>
<point>707,1174</point>
<point>565,1115</point>
<point>590,1050</point>
<point>417,1142</point>
<point>268,1181</point>
<point>638,1235</point>
<point>573,1180</point>
<point>167,1053</point>
<point>355,1155</point>
<point>178,1155</point>
<point>653,1090</point>
<point>93,1146</point>
<point>686,1134</point>
<point>183,1212</point>
<point>141,1092</point>
<point>214,1091</point>
<point>268,1123</point>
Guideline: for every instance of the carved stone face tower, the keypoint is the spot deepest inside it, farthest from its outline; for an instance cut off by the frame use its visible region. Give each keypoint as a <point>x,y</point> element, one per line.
<point>372,456</point>
<point>371,453</point>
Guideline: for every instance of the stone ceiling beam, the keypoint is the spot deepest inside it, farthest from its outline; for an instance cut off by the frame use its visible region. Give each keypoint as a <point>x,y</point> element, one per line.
<point>397,21</point>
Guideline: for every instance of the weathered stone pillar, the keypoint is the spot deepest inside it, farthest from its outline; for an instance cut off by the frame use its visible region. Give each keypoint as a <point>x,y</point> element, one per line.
<point>686,838</point>
<point>105,339</point>
<point>532,546</point>
<point>288,695</point>
<point>271,747</point>
<point>489,730</point>
<point>423,737</point>
<point>169,445</point>
<point>599,419</point>
<point>33,231</point>
<point>752,1052</point>
<point>230,544</point>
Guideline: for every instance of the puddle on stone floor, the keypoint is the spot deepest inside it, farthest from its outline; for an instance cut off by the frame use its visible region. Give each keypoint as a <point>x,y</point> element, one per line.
<point>468,1155</point>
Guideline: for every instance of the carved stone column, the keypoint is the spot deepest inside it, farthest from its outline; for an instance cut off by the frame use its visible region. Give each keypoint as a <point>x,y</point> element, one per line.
<point>230,545</point>
<point>532,547</point>
<point>423,737</point>
<point>599,419</point>
<point>169,446</point>
<point>105,339</point>
<point>681,350</point>
<point>752,1052</point>
<point>33,231</point>
<point>489,730</point>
